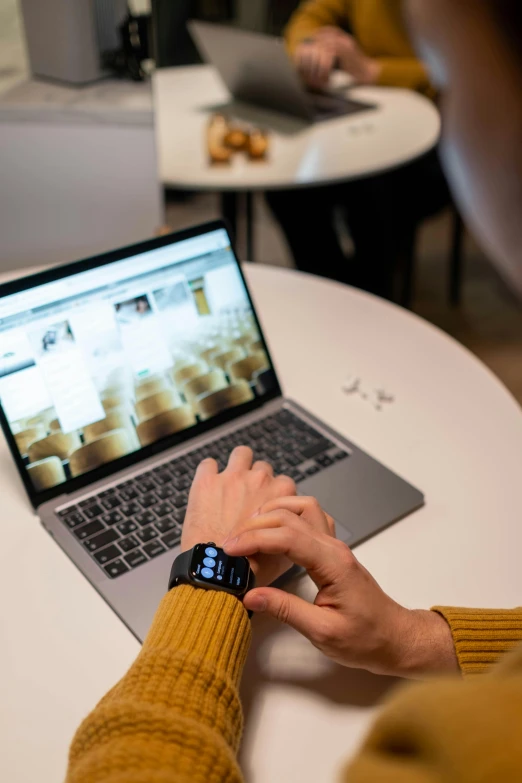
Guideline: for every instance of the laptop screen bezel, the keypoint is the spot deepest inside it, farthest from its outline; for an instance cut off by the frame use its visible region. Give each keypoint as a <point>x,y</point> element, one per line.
<point>144,453</point>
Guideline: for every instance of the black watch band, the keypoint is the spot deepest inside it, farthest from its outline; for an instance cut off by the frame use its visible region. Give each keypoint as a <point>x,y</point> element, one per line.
<point>180,569</point>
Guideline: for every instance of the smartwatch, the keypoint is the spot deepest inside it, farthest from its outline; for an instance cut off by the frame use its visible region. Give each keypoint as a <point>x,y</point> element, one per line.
<point>207,566</point>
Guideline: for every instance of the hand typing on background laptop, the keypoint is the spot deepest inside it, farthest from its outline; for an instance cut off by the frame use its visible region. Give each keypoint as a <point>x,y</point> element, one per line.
<point>329,48</point>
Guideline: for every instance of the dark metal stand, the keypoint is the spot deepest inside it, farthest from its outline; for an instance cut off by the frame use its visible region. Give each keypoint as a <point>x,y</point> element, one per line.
<point>457,260</point>
<point>231,205</point>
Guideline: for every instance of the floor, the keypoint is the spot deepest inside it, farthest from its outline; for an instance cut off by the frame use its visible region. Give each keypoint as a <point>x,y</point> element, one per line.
<point>489,321</point>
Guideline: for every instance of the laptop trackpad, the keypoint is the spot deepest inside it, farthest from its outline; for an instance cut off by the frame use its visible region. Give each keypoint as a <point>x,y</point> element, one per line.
<point>362,496</point>
<point>329,487</point>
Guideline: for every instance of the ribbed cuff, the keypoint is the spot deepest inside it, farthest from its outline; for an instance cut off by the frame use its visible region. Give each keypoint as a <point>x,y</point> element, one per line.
<point>482,636</point>
<point>211,622</point>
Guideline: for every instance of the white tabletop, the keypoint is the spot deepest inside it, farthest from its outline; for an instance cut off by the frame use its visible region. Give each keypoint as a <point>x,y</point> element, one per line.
<point>453,430</point>
<point>404,126</point>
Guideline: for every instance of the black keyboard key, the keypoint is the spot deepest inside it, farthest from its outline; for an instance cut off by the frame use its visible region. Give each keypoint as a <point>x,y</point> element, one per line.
<point>164,525</point>
<point>313,470</point>
<point>324,460</point>
<point>110,502</point>
<point>148,500</point>
<point>181,500</point>
<point>145,518</point>
<point>162,509</point>
<point>116,568</point>
<point>112,518</point>
<point>66,511</point>
<point>135,559</point>
<point>127,527</point>
<point>297,476</point>
<point>179,514</point>
<point>165,492</point>
<point>107,554</point>
<point>154,549</point>
<point>147,534</point>
<point>339,455</point>
<point>317,448</point>
<point>182,483</point>
<point>293,460</point>
<point>163,478</point>
<point>146,485</point>
<point>91,512</point>
<point>127,544</point>
<point>129,509</point>
<point>74,519</point>
<point>85,503</point>
<point>181,470</point>
<point>101,540</point>
<point>106,493</point>
<point>172,539</point>
<point>128,493</point>
<point>88,530</point>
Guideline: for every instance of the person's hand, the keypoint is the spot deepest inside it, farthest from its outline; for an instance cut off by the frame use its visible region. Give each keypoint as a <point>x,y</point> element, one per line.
<point>219,502</point>
<point>351,620</point>
<point>311,516</point>
<point>315,62</point>
<point>347,55</point>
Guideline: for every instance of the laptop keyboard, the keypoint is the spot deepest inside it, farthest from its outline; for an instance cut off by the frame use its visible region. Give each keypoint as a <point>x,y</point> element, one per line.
<point>141,518</point>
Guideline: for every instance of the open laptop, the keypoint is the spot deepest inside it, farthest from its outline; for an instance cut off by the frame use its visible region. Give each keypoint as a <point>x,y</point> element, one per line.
<point>118,374</point>
<point>257,70</point>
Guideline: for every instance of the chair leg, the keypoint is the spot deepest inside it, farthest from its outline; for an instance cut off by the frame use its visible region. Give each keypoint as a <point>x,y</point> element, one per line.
<point>457,260</point>
<point>249,217</point>
<point>409,261</point>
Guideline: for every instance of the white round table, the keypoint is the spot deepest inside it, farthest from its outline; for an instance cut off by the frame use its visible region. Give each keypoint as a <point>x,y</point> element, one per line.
<point>404,126</point>
<point>452,429</point>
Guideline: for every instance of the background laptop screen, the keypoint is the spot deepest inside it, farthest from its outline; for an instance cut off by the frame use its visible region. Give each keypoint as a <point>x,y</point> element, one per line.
<point>102,363</point>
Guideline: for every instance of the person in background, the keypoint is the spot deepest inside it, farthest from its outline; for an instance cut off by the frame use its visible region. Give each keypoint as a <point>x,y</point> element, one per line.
<point>382,212</point>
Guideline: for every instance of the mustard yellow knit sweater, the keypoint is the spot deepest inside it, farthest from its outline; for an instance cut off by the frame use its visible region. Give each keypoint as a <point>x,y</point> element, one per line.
<point>175,717</point>
<point>379,28</point>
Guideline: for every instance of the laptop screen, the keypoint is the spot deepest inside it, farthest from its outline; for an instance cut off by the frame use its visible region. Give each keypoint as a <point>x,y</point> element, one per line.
<point>100,364</point>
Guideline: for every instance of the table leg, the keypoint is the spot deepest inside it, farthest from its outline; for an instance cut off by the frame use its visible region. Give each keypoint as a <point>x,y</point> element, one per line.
<point>229,202</point>
<point>249,214</point>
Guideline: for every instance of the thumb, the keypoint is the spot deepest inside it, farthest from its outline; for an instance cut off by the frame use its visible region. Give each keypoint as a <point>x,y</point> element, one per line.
<point>287,608</point>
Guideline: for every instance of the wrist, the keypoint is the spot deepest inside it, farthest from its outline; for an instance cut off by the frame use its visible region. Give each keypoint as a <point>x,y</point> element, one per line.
<point>425,645</point>
<point>371,72</point>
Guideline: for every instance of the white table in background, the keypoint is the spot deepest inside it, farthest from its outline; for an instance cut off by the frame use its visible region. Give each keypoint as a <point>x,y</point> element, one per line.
<point>452,429</point>
<point>404,127</point>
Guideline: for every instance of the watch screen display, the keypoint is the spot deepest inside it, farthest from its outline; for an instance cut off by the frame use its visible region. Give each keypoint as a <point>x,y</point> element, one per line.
<point>210,564</point>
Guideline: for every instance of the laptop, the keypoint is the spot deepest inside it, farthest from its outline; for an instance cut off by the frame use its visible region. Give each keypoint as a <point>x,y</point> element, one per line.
<point>257,70</point>
<point>120,373</point>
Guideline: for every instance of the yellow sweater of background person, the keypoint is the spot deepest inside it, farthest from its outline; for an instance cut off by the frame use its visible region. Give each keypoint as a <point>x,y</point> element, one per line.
<point>175,717</point>
<point>379,28</point>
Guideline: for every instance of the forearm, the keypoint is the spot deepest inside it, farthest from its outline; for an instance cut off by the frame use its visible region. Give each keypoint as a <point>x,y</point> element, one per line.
<point>311,16</point>
<point>176,714</point>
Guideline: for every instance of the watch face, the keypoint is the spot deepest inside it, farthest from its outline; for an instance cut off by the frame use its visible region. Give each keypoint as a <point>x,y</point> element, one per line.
<point>211,565</point>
